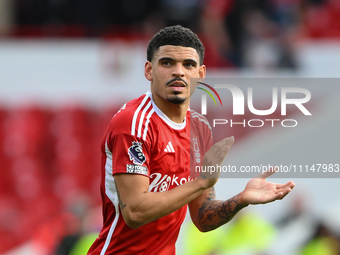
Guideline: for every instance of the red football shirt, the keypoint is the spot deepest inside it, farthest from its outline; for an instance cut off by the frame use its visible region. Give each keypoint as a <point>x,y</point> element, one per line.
<point>141,139</point>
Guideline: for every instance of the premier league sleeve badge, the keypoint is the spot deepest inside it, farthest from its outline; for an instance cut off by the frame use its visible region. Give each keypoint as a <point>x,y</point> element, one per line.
<point>136,153</point>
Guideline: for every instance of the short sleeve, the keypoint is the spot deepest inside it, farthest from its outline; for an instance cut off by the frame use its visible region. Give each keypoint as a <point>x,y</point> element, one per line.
<point>129,154</point>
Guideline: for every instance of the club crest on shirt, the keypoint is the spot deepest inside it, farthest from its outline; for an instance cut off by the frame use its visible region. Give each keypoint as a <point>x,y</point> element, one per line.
<point>136,153</point>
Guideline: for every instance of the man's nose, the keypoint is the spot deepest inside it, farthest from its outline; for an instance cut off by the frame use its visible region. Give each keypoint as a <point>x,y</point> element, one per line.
<point>178,70</point>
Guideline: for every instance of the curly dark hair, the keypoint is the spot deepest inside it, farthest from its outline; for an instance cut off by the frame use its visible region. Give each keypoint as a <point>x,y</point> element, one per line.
<point>176,36</point>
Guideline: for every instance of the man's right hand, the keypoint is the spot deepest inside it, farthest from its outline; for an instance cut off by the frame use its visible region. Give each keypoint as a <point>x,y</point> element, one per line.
<point>213,158</point>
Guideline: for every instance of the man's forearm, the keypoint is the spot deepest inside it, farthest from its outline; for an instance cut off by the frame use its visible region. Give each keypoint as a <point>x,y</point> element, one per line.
<point>139,206</point>
<point>214,213</point>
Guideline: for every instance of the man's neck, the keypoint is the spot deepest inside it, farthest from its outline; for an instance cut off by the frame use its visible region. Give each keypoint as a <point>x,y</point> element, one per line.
<point>175,112</point>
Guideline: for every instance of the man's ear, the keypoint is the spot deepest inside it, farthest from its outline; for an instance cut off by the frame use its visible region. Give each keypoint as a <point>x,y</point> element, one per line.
<point>148,70</point>
<point>202,72</point>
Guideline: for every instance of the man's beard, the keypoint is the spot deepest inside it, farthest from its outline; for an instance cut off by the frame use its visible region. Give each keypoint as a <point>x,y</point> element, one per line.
<point>175,99</point>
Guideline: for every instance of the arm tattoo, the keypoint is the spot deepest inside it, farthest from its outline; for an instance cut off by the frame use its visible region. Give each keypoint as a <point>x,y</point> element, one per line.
<point>203,176</point>
<point>212,194</point>
<point>214,214</point>
<point>121,205</point>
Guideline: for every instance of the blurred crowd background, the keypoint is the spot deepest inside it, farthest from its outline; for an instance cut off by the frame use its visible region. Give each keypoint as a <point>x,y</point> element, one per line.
<point>236,33</point>
<point>50,147</point>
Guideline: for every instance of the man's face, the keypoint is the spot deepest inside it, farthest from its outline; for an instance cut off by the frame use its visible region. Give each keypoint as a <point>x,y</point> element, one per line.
<point>170,72</point>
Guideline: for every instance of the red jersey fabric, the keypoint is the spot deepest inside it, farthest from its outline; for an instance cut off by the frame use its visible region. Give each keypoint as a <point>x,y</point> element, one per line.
<point>141,139</point>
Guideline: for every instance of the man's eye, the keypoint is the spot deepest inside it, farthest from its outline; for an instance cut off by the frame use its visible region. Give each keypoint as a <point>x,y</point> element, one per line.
<point>190,64</point>
<point>166,63</point>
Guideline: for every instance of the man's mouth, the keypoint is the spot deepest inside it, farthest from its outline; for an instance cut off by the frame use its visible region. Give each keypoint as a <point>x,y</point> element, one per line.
<point>177,84</point>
